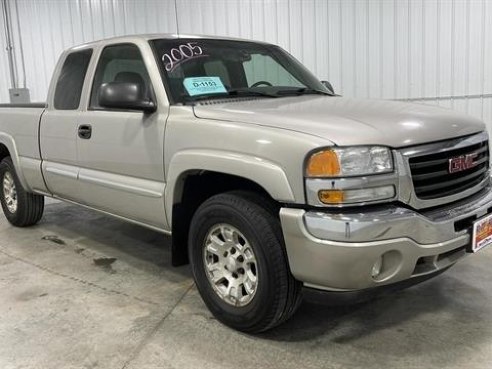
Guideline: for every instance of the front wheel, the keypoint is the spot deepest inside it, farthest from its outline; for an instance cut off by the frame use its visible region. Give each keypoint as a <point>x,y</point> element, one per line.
<point>21,208</point>
<point>240,264</point>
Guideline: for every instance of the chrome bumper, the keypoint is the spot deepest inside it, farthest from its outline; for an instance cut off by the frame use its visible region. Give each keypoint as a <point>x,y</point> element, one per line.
<point>338,251</point>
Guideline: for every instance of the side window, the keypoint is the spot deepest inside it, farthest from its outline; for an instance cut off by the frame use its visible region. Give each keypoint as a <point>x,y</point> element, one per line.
<point>120,63</point>
<point>264,68</point>
<point>71,80</point>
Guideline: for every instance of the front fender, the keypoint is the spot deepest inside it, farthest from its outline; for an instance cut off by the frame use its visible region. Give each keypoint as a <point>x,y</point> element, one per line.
<point>270,176</point>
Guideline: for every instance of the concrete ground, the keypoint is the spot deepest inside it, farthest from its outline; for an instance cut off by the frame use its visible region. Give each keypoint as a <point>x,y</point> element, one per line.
<point>63,304</point>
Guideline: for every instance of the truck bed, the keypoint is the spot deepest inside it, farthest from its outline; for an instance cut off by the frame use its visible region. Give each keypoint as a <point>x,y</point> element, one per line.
<point>21,122</point>
<point>26,105</point>
<point>19,126</point>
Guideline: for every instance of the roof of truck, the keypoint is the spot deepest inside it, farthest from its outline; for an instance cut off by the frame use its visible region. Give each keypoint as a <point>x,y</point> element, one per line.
<point>153,36</point>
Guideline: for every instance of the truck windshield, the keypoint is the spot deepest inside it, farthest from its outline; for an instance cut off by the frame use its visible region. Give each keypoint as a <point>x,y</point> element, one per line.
<point>196,69</point>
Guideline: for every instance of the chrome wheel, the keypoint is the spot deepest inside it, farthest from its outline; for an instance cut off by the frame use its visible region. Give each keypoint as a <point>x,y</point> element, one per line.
<point>230,265</point>
<point>9,192</point>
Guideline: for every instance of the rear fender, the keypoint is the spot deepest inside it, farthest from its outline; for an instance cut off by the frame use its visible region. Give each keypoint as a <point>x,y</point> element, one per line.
<point>9,142</point>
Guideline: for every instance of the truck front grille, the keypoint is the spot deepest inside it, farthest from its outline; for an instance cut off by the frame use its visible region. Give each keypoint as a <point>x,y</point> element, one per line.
<point>432,177</point>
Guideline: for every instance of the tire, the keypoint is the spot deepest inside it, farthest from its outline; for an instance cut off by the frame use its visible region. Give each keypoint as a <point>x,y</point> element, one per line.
<point>269,294</point>
<point>22,209</point>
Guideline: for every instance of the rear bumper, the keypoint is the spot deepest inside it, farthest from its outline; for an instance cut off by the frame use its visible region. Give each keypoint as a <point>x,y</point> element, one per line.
<point>338,252</point>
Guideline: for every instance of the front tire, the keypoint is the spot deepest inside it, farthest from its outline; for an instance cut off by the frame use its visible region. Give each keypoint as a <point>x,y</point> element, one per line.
<point>21,208</point>
<point>240,264</point>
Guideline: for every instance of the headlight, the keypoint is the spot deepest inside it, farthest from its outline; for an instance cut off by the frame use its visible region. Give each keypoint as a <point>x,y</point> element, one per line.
<point>349,161</point>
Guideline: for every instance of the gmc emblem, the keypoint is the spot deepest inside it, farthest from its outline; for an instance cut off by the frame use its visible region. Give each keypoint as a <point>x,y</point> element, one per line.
<point>463,162</point>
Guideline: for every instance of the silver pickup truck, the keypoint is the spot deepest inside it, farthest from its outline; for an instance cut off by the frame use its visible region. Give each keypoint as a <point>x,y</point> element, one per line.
<point>267,180</point>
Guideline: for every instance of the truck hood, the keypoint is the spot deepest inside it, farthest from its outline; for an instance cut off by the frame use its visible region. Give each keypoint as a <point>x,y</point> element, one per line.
<point>346,121</point>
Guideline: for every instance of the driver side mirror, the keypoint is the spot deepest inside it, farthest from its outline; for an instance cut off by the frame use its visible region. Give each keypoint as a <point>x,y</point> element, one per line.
<point>328,86</point>
<point>125,95</point>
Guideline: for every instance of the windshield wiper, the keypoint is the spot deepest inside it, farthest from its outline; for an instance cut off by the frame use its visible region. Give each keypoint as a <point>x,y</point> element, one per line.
<point>191,99</point>
<point>245,92</point>
<point>230,93</point>
<point>303,91</point>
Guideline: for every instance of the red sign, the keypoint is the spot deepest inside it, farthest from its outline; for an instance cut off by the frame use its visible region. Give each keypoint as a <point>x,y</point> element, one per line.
<point>463,162</point>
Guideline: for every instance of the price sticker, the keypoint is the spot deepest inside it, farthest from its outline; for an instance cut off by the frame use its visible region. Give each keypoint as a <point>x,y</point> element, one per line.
<point>203,85</point>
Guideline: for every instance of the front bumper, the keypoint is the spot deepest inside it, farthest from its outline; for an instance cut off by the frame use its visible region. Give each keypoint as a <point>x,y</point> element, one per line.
<point>337,251</point>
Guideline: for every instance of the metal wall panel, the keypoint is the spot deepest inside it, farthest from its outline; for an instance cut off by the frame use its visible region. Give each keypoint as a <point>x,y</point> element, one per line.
<point>50,26</point>
<point>4,65</point>
<point>430,51</point>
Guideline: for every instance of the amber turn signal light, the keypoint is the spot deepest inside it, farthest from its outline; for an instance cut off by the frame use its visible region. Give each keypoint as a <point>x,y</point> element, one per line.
<point>331,196</point>
<point>323,164</point>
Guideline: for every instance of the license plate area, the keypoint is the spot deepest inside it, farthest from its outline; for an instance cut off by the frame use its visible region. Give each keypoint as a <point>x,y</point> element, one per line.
<point>482,233</point>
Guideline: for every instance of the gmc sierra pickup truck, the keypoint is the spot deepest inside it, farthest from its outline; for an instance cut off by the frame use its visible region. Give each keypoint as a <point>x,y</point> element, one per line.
<point>268,182</point>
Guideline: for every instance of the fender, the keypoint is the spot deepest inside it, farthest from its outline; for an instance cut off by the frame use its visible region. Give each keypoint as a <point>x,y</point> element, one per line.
<point>9,143</point>
<point>265,173</point>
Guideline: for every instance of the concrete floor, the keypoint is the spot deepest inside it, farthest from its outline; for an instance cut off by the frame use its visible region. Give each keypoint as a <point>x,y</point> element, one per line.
<point>58,309</point>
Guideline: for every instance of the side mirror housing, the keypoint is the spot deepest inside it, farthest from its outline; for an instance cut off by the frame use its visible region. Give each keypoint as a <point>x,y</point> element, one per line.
<point>124,95</point>
<point>328,86</point>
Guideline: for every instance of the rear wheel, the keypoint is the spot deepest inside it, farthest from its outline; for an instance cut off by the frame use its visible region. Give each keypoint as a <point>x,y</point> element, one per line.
<point>21,208</point>
<point>239,262</point>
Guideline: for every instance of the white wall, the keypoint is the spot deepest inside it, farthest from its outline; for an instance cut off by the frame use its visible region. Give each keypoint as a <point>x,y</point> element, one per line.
<point>436,50</point>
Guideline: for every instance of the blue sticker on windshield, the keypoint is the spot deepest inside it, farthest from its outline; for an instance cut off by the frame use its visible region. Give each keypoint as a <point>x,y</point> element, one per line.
<point>203,85</point>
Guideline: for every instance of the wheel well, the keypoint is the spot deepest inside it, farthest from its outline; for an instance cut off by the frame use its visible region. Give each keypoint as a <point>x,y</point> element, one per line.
<point>4,152</point>
<point>192,189</point>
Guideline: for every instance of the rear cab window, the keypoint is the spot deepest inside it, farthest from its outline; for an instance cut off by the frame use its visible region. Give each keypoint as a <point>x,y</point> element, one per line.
<point>70,82</point>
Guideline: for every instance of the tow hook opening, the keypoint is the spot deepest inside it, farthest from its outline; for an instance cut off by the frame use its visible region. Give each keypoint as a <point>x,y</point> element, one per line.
<point>386,265</point>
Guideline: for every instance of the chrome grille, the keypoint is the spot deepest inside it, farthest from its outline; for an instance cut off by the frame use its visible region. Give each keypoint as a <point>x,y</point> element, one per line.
<point>431,175</point>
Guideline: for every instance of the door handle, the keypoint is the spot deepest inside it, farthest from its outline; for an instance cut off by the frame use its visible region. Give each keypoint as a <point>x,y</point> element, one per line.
<point>85,131</point>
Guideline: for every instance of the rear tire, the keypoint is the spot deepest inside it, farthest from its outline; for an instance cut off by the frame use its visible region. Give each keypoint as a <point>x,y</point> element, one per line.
<point>21,208</point>
<point>245,280</point>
